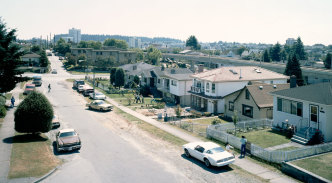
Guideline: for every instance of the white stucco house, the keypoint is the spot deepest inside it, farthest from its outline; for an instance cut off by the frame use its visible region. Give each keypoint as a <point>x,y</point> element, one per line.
<point>308,108</point>
<point>210,87</point>
<point>31,59</point>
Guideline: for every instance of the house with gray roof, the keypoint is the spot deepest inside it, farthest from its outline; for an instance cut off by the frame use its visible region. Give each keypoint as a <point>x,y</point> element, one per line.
<point>174,84</point>
<point>307,108</point>
<point>254,101</point>
<point>141,70</point>
<point>31,59</point>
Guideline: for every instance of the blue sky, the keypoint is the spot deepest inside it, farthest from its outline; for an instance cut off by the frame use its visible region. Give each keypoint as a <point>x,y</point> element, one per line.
<point>257,21</point>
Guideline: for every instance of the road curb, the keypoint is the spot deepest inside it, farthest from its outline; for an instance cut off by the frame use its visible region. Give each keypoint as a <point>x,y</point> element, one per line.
<point>47,175</point>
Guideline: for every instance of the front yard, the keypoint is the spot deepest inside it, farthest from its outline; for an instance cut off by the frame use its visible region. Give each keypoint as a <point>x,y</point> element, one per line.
<point>265,138</point>
<point>320,165</point>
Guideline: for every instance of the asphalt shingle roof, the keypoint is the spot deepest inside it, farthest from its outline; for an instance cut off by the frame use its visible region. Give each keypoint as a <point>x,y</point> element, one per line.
<point>31,55</point>
<point>175,73</point>
<point>319,93</point>
<point>140,67</point>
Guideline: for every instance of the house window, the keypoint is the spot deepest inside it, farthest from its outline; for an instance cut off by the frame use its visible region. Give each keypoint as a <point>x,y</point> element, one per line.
<point>247,111</point>
<point>271,82</point>
<point>213,88</point>
<point>231,106</point>
<point>247,94</point>
<point>279,104</point>
<point>158,81</point>
<point>207,87</point>
<point>174,83</point>
<point>299,109</point>
<point>291,107</point>
<point>314,113</point>
<point>145,80</point>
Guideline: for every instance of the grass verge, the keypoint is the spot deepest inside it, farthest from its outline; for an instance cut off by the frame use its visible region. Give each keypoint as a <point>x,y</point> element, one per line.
<point>8,96</point>
<point>31,156</point>
<point>151,129</point>
<point>320,165</point>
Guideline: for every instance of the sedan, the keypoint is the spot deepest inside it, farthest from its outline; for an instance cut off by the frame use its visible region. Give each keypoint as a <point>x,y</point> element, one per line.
<point>99,105</point>
<point>54,71</point>
<point>29,88</point>
<point>55,122</point>
<point>97,96</point>
<point>67,140</point>
<point>208,152</point>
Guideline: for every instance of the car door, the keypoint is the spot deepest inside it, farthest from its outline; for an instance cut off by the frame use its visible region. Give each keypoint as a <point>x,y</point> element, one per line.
<point>94,105</point>
<point>198,152</point>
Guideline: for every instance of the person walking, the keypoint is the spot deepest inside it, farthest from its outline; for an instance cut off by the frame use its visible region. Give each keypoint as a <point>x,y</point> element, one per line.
<point>49,87</point>
<point>243,146</point>
<point>12,100</point>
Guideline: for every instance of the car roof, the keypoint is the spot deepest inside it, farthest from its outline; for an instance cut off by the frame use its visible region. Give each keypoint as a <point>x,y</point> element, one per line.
<point>209,145</point>
<point>98,101</point>
<point>67,130</point>
<point>30,84</point>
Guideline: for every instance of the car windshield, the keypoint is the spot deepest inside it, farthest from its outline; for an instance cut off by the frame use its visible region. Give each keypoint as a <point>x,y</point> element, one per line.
<point>100,102</point>
<point>29,86</point>
<point>217,150</point>
<point>67,134</point>
<point>98,94</point>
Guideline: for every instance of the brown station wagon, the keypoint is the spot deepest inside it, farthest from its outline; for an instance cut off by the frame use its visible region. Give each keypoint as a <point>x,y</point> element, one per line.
<point>68,140</point>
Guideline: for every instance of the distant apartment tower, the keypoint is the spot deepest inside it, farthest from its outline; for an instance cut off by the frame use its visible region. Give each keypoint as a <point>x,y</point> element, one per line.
<point>135,42</point>
<point>76,34</point>
<point>290,41</point>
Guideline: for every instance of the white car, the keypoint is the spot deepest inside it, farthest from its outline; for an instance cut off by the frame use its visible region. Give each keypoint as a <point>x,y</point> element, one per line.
<point>97,96</point>
<point>208,152</point>
<point>54,71</point>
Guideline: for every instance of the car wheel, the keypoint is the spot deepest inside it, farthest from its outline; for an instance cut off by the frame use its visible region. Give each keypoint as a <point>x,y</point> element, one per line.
<point>207,162</point>
<point>187,153</point>
<point>101,109</point>
<point>90,107</point>
<point>57,148</point>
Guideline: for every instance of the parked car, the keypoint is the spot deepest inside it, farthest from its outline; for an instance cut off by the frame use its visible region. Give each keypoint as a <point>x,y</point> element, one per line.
<point>87,90</point>
<point>67,140</point>
<point>54,71</point>
<point>100,105</point>
<point>97,96</point>
<point>29,88</point>
<point>37,80</point>
<point>55,122</point>
<point>80,88</point>
<point>208,152</point>
<point>76,83</point>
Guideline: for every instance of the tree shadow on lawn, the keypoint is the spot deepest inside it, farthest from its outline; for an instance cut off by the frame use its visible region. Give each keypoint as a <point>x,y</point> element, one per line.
<point>282,133</point>
<point>212,169</point>
<point>57,153</point>
<point>24,138</point>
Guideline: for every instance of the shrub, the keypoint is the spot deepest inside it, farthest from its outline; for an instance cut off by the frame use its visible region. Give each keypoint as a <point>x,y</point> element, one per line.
<point>3,111</point>
<point>216,122</point>
<point>145,90</point>
<point>34,114</point>
<point>159,105</point>
<point>178,111</point>
<point>2,100</point>
<point>207,114</point>
<point>317,138</point>
<point>196,114</point>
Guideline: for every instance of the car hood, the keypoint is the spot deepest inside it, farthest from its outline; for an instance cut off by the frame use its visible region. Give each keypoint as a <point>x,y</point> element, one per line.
<point>69,140</point>
<point>221,155</point>
<point>105,105</point>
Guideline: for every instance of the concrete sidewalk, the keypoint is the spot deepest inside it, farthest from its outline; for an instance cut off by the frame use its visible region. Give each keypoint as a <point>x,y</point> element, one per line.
<point>245,164</point>
<point>7,131</point>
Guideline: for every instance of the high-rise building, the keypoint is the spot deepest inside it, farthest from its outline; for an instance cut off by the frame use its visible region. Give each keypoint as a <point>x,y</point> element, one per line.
<point>132,42</point>
<point>290,41</point>
<point>135,42</point>
<point>76,34</point>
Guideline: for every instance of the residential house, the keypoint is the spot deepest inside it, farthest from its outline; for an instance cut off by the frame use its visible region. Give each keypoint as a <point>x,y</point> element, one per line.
<point>210,87</point>
<point>121,56</point>
<point>254,101</point>
<point>174,84</point>
<point>308,108</point>
<point>31,59</point>
<point>141,70</point>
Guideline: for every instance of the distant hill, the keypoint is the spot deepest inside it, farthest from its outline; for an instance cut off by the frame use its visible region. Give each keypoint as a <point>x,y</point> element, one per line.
<point>95,37</point>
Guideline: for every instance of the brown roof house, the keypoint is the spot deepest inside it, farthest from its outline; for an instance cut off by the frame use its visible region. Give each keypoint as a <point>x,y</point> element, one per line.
<point>254,101</point>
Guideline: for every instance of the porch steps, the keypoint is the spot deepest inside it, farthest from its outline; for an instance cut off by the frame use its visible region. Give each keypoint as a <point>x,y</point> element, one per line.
<point>300,136</point>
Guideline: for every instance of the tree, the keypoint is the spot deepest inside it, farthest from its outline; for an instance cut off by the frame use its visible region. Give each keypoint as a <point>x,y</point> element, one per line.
<point>235,119</point>
<point>136,79</point>
<point>240,50</point>
<point>62,47</point>
<point>327,61</point>
<point>44,62</point>
<point>178,111</point>
<point>116,43</point>
<point>9,60</point>
<point>35,49</point>
<point>139,54</point>
<point>34,114</point>
<point>153,55</point>
<point>293,68</point>
<point>266,57</point>
<point>193,43</point>
<point>113,71</point>
<point>275,52</point>
<point>71,59</point>
<point>119,75</point>
<point>298,49</point>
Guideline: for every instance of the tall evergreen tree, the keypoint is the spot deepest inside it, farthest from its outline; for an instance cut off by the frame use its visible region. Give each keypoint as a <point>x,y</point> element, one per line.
<point>275,52</point>
<point>44,62</point>
<point>293,68</point>
<point>327,61</point>
<point>298,49</point>
<point>193,42</point>
<point>119,75</point>
<point>266,57</point>
<point>9,60</point>
<point>113,71</point>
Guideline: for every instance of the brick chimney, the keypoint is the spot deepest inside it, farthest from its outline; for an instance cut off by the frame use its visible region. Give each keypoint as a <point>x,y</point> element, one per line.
<point>200,68</point>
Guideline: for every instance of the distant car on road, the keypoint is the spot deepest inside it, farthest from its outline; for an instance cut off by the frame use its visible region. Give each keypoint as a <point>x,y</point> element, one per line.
<point>29,88</point>
<point>97,96</point>
<point>208,152</point>
<point>100,105</point>
<point>54,71</point>
<point>37,80</point>
<point>55,122</point>
<point>67,140</point>
<point>76,83</point>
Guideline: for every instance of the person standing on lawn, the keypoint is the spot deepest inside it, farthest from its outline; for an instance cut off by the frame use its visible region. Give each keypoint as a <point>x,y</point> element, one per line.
<point>243,146</point>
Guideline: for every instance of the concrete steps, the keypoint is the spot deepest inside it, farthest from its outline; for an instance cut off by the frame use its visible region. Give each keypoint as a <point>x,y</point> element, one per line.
<point>300,136</point>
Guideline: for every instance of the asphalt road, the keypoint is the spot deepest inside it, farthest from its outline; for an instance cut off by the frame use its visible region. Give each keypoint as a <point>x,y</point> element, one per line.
<point>104,157</point>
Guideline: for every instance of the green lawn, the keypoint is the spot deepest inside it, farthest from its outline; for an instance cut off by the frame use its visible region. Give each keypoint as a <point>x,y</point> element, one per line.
<point>320,165</point>
<point>205,121</point>
<point>90,73</point>
<point>8,96</point>
<point>265,138</point>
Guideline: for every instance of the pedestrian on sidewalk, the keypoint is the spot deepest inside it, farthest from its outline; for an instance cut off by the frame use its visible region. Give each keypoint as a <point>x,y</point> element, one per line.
<point>12,101</point>
<point>243,146</point>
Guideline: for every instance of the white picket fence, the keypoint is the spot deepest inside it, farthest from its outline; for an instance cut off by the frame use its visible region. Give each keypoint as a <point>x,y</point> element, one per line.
<point>218,132</point>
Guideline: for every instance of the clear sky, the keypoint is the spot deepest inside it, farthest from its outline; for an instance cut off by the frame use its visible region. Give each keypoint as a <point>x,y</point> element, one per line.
<point>244,21</point>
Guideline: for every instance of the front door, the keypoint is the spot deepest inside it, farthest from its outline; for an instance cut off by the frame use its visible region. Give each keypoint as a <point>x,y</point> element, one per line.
<point>151,82</point>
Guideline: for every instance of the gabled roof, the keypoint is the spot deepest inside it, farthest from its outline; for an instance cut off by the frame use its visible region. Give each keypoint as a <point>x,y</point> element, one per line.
<point>261,93</point>
<point>137,68</point>
<point>174,73</point>
<point>31,55</point>
<point>238,73</point>
<point>320,93</point>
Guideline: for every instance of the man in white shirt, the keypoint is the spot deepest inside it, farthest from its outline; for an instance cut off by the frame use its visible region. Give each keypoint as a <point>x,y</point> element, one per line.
<point>243,146</point>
